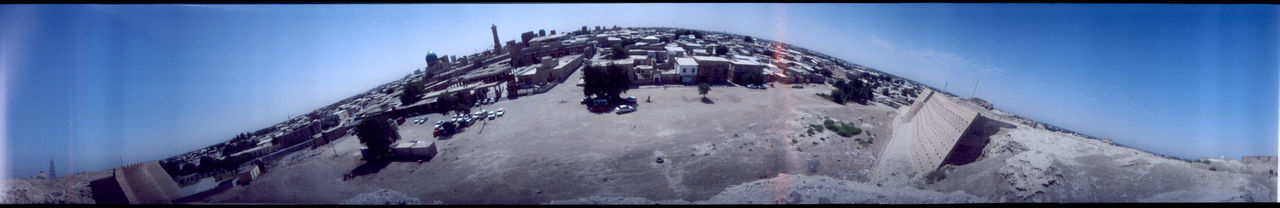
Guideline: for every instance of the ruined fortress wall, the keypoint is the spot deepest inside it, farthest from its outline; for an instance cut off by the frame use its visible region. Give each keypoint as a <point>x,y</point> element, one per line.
<point>146,183</point>
<point>939,124</point>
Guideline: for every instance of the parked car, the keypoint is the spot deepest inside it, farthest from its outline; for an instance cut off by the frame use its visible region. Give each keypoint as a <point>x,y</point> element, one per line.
<point>500,112</point>
<point>586,100</point>
<point>598,108</point>
<point>630,99</point>
<point>751,86</point>
<point>493,115</point>
<point>625,109</point>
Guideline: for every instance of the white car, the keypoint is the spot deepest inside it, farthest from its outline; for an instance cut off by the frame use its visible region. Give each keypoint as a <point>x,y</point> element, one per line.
<point>624,109</point>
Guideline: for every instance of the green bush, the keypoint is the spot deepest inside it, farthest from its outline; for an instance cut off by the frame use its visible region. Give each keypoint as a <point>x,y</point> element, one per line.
<point>816,127</point>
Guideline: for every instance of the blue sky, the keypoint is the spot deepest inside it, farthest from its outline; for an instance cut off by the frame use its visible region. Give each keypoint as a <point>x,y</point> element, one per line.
<point>91,86</point>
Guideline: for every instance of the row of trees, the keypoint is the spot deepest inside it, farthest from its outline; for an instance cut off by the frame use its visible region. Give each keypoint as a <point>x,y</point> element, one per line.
<point>607,81</point>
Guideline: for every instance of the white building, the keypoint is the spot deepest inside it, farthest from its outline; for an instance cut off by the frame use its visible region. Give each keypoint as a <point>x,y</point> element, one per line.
<point>675,51</point>
<point>688,69</point>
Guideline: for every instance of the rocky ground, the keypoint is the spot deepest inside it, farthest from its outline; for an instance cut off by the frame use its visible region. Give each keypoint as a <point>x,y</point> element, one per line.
<point>1028,164</point>
<point>72,189</point>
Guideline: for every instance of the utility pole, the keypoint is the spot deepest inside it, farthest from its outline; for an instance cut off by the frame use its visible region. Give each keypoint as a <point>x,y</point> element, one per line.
<point>975,88</point>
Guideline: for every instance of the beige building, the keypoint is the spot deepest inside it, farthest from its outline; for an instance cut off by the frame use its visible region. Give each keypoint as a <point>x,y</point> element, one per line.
<point>713,69</point>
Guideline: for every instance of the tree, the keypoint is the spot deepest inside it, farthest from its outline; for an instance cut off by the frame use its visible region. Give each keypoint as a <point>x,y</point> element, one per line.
<point>482,93</point>
<point>619,52</point>
<point>749,39</point>
<point>513,91</point>
<point>584,29</point>
<point>608,81</point>
<point>452,102</point>
<point>597,28</point>
<point>187,168</point>
<point>703,88</point>
<point>376,134</point>
<point>542,32</point>
<point>525,37</point>
<point>854,90</point>
<point>721,50</point>
<point>909,92</point>
<point>751,77</point>
<point>412,93</point>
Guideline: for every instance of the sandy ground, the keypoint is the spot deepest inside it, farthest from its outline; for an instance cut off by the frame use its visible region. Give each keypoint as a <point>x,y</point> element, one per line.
<point>549,147</point>
<point>745,146</point>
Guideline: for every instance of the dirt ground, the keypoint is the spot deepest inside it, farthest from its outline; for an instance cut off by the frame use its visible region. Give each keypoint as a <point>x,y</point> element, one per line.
<point>73,189</point>
<point>549,147</point>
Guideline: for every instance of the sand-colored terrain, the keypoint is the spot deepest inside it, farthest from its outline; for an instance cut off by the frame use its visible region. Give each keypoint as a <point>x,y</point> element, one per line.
<point>745,146</point>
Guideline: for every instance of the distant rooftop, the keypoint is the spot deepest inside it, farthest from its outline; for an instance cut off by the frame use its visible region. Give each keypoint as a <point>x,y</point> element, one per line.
<point>686,61</point>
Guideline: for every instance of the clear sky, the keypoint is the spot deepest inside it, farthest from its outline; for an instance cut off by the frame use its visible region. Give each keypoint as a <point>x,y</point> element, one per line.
<point>94,86</point>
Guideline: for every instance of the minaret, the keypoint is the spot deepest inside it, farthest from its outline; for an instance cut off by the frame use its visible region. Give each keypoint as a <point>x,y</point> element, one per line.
<point>52,172</point>
<point>496,45</point>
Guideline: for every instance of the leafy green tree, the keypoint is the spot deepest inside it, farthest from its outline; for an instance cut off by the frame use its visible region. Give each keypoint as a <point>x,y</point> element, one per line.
<point>619,52</point>
<point>542,32</point>
<point>412,93</point>
<point>608,81</point>
<point>377,134</point>
<point>452,102</point>
<point>749,39</point>
<point>513,91</point>
<point>722,50</point>
<point>703,88</point>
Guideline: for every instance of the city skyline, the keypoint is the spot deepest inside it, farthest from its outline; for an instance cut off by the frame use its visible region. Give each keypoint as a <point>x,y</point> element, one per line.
<point>97,85</point>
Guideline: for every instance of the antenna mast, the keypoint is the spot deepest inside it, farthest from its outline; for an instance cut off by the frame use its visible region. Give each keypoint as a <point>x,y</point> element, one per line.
<point>975,88</point>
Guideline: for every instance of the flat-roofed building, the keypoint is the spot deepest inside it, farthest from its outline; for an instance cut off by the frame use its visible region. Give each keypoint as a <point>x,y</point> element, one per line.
<point>688,69</point>
<point>675,51</point>
<point>741,67</point>
<point>713,69</point>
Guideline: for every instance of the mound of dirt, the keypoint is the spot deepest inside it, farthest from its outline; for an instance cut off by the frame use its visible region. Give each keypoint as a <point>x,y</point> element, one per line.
<point>382,197</point>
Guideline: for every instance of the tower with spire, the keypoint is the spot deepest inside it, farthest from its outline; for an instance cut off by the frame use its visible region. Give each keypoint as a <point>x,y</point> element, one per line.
<point>496,45</point>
